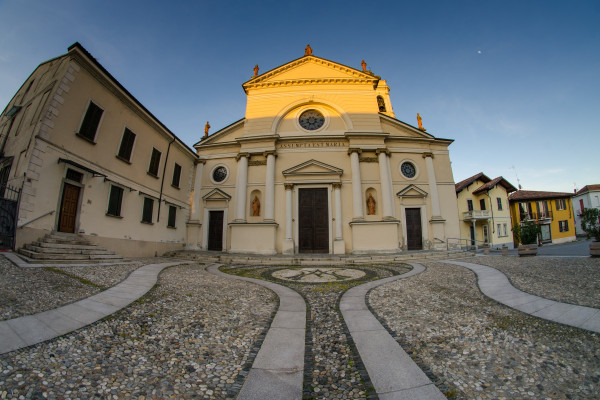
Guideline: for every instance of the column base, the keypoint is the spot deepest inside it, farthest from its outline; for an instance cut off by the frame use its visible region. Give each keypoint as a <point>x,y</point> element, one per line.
<point>288,246</point>
<point>339,246</point>
<point>194,236</point>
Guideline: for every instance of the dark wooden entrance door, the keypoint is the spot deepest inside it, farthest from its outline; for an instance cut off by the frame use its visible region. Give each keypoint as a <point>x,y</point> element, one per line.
<point>313,227</point>
<point>414,235</point>
<point>215,230</point>
<point>68,208</point>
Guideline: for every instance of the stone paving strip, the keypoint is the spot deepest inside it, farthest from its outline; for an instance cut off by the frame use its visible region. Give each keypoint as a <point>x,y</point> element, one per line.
<point>32,329</point>
<point>277,371</point>
<point>393,373</point>
<point>496,285</point>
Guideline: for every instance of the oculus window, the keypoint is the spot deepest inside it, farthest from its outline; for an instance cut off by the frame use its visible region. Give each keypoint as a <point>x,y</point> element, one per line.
<point>408,169</point>
<point>219,174</point>
<point>311,120</point>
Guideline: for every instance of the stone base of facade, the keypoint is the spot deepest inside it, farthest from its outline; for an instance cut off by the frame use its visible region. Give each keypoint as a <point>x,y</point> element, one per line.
<point>194,236</point>
<point>253,238</point>
<point>288,246</point>
<point>564,240</point>
<point>124,247</point>
<point>375,236</point>
<point>339,247</point>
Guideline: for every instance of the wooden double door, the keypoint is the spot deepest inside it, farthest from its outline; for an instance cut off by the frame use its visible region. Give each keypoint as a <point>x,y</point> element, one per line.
<point>313,224</point>
<point>414,231</point>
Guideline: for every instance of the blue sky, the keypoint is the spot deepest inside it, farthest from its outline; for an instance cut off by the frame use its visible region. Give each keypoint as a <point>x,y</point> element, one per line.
<point>516,84</point>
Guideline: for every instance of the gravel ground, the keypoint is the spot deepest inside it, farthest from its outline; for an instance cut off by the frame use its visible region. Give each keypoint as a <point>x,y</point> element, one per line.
<point>481,349</point>
<point>570,280</point>
<point>193,336</point>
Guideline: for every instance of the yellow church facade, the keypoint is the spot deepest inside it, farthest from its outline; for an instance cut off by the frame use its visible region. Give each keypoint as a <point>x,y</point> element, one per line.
<point>320,164</point>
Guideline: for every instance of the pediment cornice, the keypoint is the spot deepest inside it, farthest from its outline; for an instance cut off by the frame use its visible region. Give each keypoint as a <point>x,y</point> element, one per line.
<point>313,167</point>
<point>269,79</point>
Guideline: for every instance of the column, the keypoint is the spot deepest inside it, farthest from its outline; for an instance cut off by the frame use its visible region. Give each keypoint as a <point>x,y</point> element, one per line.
<point>475,234</point>
<point>386,189</point>
<point>339,247</point>
<point>288,243</point>
<point>357,197</point>
<point>435,199</point>
<point>270,187</point>
<point>337,195</point>
<point>241,187</point>
<point>195,214</point>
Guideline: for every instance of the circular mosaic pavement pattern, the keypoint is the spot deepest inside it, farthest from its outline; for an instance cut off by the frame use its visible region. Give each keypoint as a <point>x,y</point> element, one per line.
<point>317,275</point>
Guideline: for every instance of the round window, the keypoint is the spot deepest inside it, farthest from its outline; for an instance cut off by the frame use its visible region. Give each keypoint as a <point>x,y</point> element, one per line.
<point>408,169</point>
<point>219,174</point>
<point>311,120</point>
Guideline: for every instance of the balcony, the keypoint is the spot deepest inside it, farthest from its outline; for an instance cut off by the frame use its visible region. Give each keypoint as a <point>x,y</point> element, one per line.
<point>544,216</point>
<point>476,215</point>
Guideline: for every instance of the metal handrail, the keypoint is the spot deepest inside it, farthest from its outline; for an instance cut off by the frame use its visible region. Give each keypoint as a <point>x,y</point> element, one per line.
<point>468,242</point>
<point>35,219</point>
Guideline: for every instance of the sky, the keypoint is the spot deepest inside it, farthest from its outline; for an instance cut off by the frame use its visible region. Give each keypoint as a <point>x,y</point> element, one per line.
<point>516,84</point>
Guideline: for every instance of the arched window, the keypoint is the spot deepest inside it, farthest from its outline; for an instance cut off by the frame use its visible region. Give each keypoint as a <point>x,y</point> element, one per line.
<point>381,104</point>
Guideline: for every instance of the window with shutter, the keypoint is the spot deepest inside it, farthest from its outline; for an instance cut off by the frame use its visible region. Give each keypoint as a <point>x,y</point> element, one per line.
<point>126,145</point>
<point>91,121</point>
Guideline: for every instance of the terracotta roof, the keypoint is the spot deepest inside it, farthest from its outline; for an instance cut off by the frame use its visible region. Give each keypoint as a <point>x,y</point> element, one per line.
<point>588,188</point>
<point>499,180</point>
<point>464,183</point>
<point>520,195</point>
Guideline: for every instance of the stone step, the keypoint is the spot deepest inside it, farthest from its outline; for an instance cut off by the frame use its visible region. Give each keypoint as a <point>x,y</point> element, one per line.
<point>63,250</point>
<point>66,246</point>
<point>58,262</point>
<point>49,256</point>
<point>59,240</point>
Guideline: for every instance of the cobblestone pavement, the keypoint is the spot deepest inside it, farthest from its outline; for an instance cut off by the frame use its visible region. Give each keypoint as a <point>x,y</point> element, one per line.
<point>332,368</point>
<point>569,280</point>
<point>26,291</point>
<point>481,349</point>
<point>193,336</point>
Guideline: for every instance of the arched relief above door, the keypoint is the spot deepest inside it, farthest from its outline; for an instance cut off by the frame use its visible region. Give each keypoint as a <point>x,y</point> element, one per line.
<point>330,111</point>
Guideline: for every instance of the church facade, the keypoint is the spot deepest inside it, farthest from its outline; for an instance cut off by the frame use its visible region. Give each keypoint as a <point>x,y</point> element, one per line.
<point>321,164</point>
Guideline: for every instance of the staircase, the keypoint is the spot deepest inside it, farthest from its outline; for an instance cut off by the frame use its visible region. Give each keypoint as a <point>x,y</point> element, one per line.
<point>66,248</point>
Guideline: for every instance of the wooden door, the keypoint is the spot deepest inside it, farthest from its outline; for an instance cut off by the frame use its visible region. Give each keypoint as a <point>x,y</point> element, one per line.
<point>313,227</point>
<point>414,235</point>
<point>215,230</point>
<point>68,208</point>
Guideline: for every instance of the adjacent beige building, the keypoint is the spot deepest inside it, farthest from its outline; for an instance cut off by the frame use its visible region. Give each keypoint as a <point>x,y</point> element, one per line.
<point>320,164</point>
<point>91,159</point>
<point>484,212</point>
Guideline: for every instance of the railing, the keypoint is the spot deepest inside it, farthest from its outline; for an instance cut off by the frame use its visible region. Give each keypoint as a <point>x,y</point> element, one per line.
<point>477,214</point>
<point>469,243</point>
<point>36,218</point>
<point>535,216</point>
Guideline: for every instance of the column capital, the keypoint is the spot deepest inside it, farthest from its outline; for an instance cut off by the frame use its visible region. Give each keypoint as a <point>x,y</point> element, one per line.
<point>337,185</point>
<point>382,150</point>
<point>240,155</point>
<point>198,161</point>
<point>288,186</point>
<point>270,153</point>
<point>354,150</point>
<point>425,155</point>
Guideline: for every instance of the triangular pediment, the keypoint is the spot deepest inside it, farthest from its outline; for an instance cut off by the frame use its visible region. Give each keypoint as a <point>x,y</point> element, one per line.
<point>313,168</point>
<point>412,191</point>
<point>308,70</point>
<point>216,194</point>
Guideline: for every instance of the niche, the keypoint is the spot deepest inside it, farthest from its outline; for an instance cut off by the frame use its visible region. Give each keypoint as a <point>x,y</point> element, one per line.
<point>371,202</point>
<point>255,204</point>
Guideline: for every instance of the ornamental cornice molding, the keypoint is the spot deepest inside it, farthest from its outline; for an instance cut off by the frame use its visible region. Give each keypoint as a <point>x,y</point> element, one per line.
<point>310,81</point>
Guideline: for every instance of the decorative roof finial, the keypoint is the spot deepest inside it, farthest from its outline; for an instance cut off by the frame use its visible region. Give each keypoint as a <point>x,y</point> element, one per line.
<point>364,65</point>
<point>308,50</point>
<point>206,128</point>
<point>255,70</point>
<point>420,121</point>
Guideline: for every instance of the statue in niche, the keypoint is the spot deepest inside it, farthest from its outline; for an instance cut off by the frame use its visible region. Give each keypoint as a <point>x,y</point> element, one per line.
<point>371,203</point>
<point>255,207</point>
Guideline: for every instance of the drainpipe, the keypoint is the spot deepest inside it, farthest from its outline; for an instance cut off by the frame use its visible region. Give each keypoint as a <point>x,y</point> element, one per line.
<point>162,182</point>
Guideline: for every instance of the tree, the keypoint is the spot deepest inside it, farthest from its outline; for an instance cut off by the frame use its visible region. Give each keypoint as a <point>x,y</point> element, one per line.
<point>527,233</point>
<point>590,223</point>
